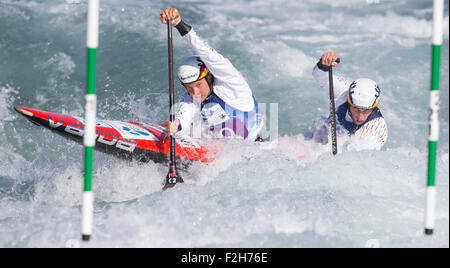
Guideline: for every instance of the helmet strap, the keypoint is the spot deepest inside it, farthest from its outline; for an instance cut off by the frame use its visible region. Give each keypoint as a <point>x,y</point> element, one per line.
<point>210,80</point>
<point>374,110</point>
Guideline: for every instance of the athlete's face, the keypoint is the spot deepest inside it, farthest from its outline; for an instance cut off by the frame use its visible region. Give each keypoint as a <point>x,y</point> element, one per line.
<point>359,116</point>
<point>198,89</point>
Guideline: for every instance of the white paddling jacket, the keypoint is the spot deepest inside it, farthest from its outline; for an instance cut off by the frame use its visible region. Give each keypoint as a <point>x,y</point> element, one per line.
<point>372,134</point>
<point>230,110</point>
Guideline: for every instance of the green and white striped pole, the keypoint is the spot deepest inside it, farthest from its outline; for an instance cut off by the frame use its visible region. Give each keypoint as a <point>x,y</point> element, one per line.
<point>438,17</point>
<point>90,114</point>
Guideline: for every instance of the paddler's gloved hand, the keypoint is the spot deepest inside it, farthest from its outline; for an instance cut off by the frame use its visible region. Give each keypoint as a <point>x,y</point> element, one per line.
<point>328,58</point>
<point>172,128</point>
<point>172,14</point>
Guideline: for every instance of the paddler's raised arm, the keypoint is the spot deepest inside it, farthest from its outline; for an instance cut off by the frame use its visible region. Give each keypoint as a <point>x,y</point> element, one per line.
<point>320,73</point>
<point>234,90</point>
<point>217,64</point>
<point>222,69</point>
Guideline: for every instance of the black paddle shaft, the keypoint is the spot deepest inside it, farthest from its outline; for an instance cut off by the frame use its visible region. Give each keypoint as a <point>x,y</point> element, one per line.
<point>171,90</point>
<point>332,110</point>
<point>172,177</point>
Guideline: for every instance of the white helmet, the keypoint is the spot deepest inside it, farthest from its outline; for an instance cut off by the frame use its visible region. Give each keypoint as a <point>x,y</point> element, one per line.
<point>364,94</point>
<point>192,69</point>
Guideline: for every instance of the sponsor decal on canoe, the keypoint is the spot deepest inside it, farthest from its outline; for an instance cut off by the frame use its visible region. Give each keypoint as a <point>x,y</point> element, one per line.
<point>102,136</point>
<point>131,131</point>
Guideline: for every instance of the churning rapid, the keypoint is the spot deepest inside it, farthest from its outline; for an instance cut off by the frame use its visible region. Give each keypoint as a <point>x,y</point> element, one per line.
<point>253,195</point>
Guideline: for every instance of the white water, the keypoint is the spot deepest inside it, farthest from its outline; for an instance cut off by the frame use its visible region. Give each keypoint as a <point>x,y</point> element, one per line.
<point>252,195</point>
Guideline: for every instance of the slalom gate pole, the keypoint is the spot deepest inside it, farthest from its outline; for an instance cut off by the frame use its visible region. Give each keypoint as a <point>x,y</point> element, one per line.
<point>90,115</point>
<point>438,15</point>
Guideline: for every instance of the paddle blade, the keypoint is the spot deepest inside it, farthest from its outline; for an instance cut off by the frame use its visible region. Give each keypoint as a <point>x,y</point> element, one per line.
<point>171,180</point>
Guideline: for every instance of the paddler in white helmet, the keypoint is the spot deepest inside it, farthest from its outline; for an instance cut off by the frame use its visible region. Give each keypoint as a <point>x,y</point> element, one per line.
<point>214,88</point>
<point>357,113</point>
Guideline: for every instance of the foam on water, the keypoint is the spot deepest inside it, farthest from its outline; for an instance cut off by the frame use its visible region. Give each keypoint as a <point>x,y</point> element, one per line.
<point>288,193</point>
